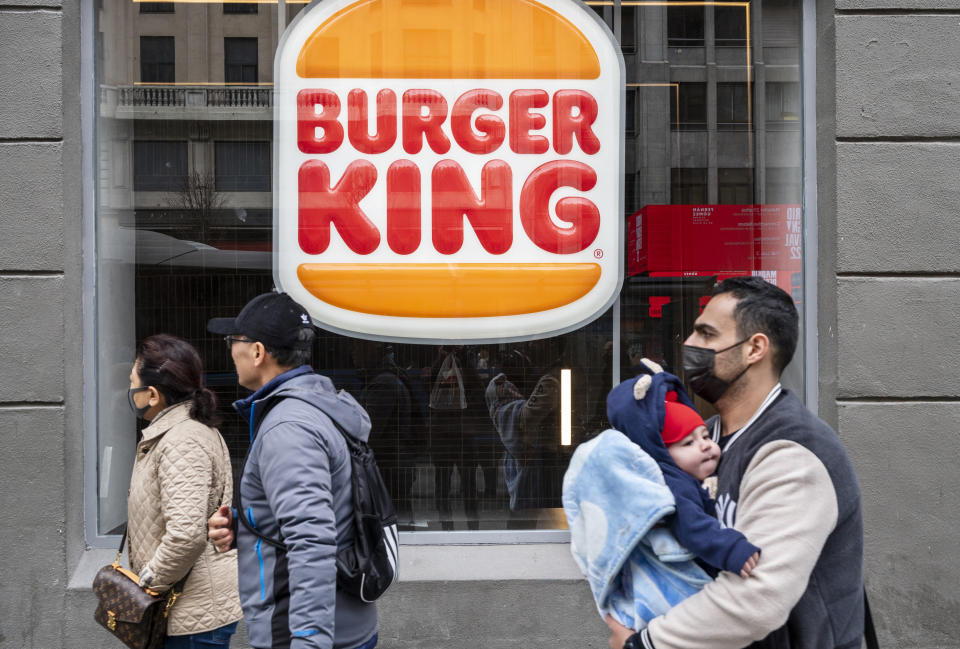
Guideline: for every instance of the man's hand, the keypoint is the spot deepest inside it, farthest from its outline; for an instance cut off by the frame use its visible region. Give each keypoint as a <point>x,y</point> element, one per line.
<point>750,565</point>
<point>220,529</point>
<point>618,633</point>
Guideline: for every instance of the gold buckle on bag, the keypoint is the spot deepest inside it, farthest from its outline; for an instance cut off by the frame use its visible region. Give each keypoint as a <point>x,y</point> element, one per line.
<point>111,620</point>
<point>170,601</point>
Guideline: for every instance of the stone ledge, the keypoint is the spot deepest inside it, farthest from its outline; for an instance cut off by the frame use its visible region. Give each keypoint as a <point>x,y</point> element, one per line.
<point>423,563</point>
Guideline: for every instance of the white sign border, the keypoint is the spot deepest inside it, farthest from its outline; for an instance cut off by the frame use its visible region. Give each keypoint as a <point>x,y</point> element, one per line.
<point>563,7</point>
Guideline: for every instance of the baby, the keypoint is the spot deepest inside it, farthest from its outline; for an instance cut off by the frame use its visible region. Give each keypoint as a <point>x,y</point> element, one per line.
<point>675,436</point>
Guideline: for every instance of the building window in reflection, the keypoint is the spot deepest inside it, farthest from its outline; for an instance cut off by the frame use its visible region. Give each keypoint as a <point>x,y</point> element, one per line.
<point>735,186</point>
<point>157,7</point>
<point>689,112</point>
<point>159,165</point>
<point>733,106</point>
<point>157,59</point>
<point>783,185</point>
<point>240,60</point>
<point>730,26</point>
<point>783,104</point>
<point>628,29</point>
<point>688,186</point>
<point>240,7</point>
<point>685,26</point>
<point>242,166</point>
<point>630,194</point>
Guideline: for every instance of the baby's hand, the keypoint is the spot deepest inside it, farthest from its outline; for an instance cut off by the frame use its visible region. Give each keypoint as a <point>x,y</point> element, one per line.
<point>750,565</point>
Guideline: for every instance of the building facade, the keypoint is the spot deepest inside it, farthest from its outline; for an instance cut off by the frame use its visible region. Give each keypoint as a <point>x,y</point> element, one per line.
<point>137,141</point>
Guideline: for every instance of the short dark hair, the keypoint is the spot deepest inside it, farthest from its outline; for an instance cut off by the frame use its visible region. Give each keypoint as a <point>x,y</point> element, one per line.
<point>295,356</point>
<point>764,308</point>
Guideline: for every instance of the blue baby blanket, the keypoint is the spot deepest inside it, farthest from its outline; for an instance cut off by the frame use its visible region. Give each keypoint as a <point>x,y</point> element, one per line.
<point>614,496</point>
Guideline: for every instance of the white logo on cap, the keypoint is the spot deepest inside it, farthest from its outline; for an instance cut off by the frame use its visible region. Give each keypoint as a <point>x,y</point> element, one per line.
<point>305,318</point>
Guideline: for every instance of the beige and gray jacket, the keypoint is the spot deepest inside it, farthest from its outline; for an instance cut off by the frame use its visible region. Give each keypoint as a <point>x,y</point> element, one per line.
<point>180,477</point>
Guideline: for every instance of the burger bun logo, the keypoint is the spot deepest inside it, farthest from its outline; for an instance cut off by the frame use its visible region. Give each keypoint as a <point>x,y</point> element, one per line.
<point>449,171</point>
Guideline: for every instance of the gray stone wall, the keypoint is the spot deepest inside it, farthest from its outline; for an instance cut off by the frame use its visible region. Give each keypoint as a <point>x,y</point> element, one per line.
<point>33,290</point>
<point>889,194</point>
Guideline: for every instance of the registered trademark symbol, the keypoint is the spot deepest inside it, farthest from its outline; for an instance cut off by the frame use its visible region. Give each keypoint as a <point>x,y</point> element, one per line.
<point>598,253</point>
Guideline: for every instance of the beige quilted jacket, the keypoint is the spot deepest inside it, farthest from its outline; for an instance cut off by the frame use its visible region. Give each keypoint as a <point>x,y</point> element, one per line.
<point>180,477</point>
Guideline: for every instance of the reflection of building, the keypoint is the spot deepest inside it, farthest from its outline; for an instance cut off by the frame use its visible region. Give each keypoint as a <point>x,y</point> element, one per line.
<point>712,117</point>
<point>186,99</point>
<point>186,117</point>
<point>700,128</point>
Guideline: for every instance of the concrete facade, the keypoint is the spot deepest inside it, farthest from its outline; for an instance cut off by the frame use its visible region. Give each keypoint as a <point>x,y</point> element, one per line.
<point>887,138</point>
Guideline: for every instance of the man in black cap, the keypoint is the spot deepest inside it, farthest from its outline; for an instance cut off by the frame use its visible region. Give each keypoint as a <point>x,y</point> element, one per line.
<point>295,486</point>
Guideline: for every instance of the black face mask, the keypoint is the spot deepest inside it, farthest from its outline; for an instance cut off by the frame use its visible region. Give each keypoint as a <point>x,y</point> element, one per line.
<point>699,364</point>
<point>139,412</point>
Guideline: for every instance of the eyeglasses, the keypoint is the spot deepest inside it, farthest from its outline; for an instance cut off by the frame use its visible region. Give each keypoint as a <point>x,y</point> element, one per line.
<point>236,339</point>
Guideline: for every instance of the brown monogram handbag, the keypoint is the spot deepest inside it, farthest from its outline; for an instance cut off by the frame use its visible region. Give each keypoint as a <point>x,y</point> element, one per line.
<point>135,615</point>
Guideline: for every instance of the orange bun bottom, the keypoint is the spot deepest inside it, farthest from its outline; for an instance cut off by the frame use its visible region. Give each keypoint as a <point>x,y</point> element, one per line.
<point>448,290</point>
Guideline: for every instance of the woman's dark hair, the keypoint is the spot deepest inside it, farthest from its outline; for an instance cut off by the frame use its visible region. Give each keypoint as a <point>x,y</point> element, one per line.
<point>174,368</point>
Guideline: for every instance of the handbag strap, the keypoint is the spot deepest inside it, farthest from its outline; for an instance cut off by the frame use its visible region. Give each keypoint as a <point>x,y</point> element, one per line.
<point>123,540</point>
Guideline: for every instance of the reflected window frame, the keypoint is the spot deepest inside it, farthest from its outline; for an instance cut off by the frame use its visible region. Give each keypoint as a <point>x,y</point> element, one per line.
<point>240,8</point>
<point>157,7</point>
<point>689,111</point>
<point>241,60</point>
<point>158,59</point>
<point>156,155</point>
<point>686,25</point>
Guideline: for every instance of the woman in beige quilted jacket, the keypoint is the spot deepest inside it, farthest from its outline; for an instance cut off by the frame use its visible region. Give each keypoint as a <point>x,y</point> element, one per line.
<point>181,476</point>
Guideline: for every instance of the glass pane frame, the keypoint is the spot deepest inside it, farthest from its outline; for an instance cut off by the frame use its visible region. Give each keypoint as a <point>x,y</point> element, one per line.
<point>240,60</point>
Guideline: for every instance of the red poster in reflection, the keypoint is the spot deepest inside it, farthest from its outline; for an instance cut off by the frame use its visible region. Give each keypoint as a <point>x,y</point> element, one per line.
<point>718,240</point>
<point>709,239</point>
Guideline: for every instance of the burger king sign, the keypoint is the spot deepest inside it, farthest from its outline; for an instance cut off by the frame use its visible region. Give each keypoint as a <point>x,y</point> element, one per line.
<point>449,169</point>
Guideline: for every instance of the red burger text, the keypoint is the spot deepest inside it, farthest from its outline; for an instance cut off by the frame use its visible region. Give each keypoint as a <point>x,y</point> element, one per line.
<point>323,204</point>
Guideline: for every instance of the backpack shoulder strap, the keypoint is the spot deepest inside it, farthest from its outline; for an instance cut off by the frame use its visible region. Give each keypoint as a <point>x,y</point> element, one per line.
<point>278,543</point>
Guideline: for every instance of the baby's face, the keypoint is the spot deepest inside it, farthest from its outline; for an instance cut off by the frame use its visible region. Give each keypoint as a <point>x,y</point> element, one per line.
<point>696,453</point>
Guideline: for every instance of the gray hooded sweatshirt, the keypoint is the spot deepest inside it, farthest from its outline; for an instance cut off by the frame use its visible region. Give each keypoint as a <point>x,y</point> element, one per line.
<point>296,485</point>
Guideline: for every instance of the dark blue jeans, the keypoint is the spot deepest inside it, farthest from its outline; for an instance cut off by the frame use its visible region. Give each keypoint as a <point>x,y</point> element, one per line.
<point>371,643</point>
<point>216,639</point>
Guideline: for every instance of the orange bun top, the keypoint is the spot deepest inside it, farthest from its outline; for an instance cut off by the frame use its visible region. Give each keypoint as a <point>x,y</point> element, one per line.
<point>448,39</point>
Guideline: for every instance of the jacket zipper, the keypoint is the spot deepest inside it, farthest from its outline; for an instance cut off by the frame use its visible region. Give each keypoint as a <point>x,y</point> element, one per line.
<point>258,545</point>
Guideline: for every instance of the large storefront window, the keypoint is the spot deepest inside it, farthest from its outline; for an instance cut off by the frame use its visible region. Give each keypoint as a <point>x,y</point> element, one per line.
<point>470,437</point>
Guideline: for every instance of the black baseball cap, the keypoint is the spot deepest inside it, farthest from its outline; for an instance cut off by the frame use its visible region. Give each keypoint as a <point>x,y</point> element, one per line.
<point>273,319</point>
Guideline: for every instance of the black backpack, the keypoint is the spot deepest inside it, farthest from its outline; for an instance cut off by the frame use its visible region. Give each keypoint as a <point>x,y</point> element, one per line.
<point>367,568</point>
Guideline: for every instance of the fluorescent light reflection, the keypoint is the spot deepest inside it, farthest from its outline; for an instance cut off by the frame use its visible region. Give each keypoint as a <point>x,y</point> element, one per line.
<point>565,437</point>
